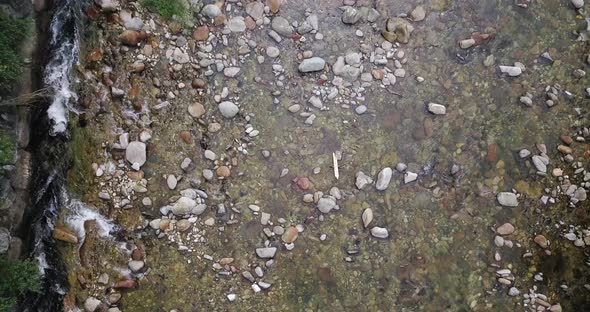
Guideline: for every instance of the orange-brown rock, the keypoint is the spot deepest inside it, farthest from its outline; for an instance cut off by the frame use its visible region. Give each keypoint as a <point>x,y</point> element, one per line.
<point>132,37</point>
<point>223,171</point>
<point>186,137</point>
<point>290,235</point>
<point>201,33</point>
<point>125,284</point>
<point>274,5</point>
<point>64,234</point>
<point>565,149</point>
<point>220,20</point>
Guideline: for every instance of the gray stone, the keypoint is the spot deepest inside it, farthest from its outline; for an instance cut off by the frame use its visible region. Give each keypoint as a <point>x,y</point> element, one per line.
<point>326,204</point>
<point>361,109</point>
<point>255,9</point>
<point>136,265</point>
<point>410,177</point>
<point>316,102</point>
<point>350,16</point>
<point>211,11</point>
<point>228,109</point>
<point>578,4</point>
<point>136,153</point>
<point>171,181</point>
<point>383,179</point>
<point>180,57</point>
<point>512,71</point>
<point>236,24</point>
<point>362,180</point>
<point>507,199</point>
<point>272,51</point>
<point>524,153</point>
<point>312,64</point>
<point>266,253</point>
<point>91,304</point>
<point>231,71</point>
<point>281,26</point>
<point>539,163</point>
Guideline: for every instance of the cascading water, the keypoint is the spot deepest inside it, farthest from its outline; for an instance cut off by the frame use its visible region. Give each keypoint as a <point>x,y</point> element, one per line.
<point>50,156</point>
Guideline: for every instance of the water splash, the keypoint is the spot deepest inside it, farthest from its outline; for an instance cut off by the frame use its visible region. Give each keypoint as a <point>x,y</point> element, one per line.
<point>65,53</point>
<point>80,213</point>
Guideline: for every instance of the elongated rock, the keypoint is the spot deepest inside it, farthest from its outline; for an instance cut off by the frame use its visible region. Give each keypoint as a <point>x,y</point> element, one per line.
<point>383,179</point>
<point>266,253</point>
<point>367,217</point>
<point>379,232</point>
<point>512,71</point>
<point>312,64</point>
<point>507,199</point>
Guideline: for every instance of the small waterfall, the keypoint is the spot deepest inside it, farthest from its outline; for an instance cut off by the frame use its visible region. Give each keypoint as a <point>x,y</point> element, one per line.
<point>50,156</point>
<point>66,26</point>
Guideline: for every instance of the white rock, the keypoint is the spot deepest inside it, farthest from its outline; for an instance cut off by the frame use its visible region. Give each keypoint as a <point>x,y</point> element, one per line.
<point>266,252</point>
<point>367,217</point>
<point>171,181</point>
<point>437,109</point>
<point>272,51</point>
<point>383,179</point>
<point>136,153</point>
<point>379,232</point>
<point>231,71</point>
<point>91,304</point>
<point>512,71</point>
<point>312,64</point>
<point>232,297</point>
<point>136,265</point>
<point>410,177</point>
<point>578,3</point>
<point>228,109</point>
<point>467,43</point>
<point>362,180</point>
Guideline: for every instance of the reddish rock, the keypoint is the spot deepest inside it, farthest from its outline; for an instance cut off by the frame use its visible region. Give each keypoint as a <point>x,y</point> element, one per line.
<point>481,38</point>
<point>94,56</point>
<point>226,261</point>
<point>567,139</point>
<point>186,137</point>
<point>303,183</point>
<point>135,175</point>
<point>201,33</point>
<point>541,241</point>
<point>126,284</point>
<point>137,254</point>
<point>290,235</point>
<point>250,22</point>
<point>132,37</point>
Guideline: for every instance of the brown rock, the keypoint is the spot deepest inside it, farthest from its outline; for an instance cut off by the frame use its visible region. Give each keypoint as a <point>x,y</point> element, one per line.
<point>226,261</point>
<point>186,137</point>
<point>196,110</point>
<point>492,155</point>
<point>567,139</point>
<point>541,241</point>
<point>274,5</point>
<point>290,235</point>
<point>137,254</point>
<point>378,74</point>
<point>132,37</point>
<point>219,20</point>
<point>137,67</point>
<point>94,56</point>
<point>505,229</point>
<point>565,149</point>
<point>125,284</point>
<point>175,27</point>
<point>201,33</point>
<point>428,127</point>
<point>223,171</point>
<point>198,83</point>
<point>481,38</point>
<point>135,175</point>
<point>183,225</point>
<point>64,234</point>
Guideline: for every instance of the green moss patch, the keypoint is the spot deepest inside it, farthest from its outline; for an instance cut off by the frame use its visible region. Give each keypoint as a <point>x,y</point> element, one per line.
<point>12,34</point>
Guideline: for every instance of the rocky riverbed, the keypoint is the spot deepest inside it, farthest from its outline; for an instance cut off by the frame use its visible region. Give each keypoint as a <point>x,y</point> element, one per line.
<point>331,156</point>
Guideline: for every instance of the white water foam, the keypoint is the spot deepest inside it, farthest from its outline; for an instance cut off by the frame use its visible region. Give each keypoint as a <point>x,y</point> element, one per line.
<point>66,51</point>
<point>80,213</point>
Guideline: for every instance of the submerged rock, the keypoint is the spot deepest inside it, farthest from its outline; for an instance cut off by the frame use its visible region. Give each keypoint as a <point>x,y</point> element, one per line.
<point>507,199</point>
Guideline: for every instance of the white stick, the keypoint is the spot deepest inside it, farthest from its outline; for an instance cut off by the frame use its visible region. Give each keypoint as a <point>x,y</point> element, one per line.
<point>336,174</point>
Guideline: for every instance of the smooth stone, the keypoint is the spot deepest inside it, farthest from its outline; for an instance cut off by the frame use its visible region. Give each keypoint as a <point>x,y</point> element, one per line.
<point>360,109</point>
<point>578,4</point>
<point>196,110</point>
<point>410,177</point>
<point>507,199</point>
<point>367,217</point>
<point>228,109</point>
<point>379,232</point>
<point>505,229</point>
<point>236,24</point>
<point>541,241</point>
<point>136,265</point>
<point>255,9</point>
<point>418,14</point>
<point>312,64</point>
<point>512,71</point>
<point>231,71</point>
<point>383,179</point>
<point>91,304</point>
<point>211,11</point>
<point>272,51</point>
<point>437,109</point>
<point>539,163</point>
<point>136,153</point>
<point>171,181</point>
<point>282,26</point>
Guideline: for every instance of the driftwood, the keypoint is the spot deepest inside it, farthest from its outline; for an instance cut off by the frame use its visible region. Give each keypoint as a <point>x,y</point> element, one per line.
<point>28,99</point>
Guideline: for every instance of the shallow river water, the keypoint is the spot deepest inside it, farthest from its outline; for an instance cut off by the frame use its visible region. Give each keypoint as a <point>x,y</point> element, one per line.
<point>440,253</point>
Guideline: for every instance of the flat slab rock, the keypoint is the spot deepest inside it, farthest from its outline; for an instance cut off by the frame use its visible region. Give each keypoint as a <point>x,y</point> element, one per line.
<point>266,252</point>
